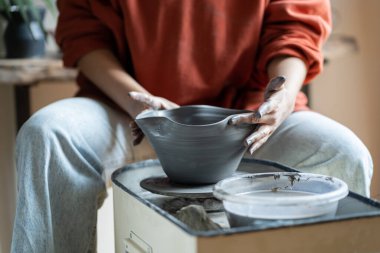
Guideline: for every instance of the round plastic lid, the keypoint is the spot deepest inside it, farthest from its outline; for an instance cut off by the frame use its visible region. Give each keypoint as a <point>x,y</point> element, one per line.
<point>281,189</point>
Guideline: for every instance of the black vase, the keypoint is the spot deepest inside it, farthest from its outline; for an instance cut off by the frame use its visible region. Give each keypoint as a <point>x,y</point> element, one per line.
<point>24,39</point>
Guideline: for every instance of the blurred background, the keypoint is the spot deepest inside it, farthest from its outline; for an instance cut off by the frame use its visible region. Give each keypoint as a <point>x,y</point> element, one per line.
<point>346,91</point>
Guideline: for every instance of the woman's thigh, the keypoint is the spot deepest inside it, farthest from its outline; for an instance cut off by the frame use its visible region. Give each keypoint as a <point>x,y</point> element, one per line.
<point>311,142</point>
<point>99,133</point>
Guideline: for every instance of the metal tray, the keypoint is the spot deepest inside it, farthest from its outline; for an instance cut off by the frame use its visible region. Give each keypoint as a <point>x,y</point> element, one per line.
<point>128,178</point>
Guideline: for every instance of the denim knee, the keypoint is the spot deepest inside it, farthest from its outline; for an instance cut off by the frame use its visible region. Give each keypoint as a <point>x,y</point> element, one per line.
<point>36,131</point>
<point>358,161</point>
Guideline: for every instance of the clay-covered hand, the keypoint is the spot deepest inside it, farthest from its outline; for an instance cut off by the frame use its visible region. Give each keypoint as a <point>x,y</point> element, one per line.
<point>148,102</point>
<point>277,106</point>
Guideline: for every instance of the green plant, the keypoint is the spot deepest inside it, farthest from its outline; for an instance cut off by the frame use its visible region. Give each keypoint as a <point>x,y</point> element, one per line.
<point>25,7</point>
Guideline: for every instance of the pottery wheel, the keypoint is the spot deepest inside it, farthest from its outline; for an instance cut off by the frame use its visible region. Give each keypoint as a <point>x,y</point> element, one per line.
<point>163,186</point>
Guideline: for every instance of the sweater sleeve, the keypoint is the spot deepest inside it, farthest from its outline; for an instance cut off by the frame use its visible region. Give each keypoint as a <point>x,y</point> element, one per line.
<point>295,28</point>
<point>79,31</point>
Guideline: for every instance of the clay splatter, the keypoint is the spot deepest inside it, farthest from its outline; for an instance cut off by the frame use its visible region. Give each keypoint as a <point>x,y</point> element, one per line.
<point>293,178</point>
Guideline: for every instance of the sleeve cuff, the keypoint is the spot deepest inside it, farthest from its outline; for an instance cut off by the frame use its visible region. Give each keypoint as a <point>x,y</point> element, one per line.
<point>311,57</point>
<point>76,49</point>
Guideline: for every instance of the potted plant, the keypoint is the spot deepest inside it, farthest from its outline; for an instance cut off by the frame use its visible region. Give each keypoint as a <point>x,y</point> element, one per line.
<point>24,35</point>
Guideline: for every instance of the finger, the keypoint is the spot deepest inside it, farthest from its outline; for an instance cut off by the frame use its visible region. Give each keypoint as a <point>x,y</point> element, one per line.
<point>258,144</point>
<point>136,132</point>
<point>267,107</point>
<point>263,109</point>
<point>138,139</point>
<point>253,118</point>
<point>146,99</point>
<point>249,118</point>
<point>166,104</point>
<point>134,128</point>
<point>133,124</point>
<point>259,134</point>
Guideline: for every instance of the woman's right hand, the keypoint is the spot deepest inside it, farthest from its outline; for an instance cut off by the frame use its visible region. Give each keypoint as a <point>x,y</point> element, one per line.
<point>147,102</point>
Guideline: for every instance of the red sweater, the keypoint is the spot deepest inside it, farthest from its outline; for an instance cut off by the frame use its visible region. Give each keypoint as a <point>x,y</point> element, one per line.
<point>196,51</point>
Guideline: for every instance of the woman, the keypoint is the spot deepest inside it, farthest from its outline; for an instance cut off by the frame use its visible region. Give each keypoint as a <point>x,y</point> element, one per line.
<point>141,53</point>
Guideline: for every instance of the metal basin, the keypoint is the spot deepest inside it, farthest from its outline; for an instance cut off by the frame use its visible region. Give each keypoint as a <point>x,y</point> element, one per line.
<point>195,144</point>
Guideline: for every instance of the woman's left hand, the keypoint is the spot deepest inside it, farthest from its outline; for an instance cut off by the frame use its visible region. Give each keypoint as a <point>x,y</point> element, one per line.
<point>277,106</point>
<point>148,102</point>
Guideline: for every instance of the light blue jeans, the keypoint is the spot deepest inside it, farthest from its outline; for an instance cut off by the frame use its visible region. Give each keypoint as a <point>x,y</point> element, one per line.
<point>66,152</point>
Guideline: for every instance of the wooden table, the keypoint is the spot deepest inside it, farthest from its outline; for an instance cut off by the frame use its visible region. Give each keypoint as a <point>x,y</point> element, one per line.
<point>22,74</point>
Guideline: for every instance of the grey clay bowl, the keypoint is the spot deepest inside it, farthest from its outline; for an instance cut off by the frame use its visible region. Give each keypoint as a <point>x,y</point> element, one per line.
<point>195,144</point>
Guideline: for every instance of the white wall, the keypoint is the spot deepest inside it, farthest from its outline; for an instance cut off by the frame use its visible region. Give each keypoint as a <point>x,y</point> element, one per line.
<point>348,90</point>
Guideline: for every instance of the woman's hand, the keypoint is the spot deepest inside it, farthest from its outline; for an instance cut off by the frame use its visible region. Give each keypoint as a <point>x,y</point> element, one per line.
<point>279,99</point>
<point>278,105</point>
<point>147,102</point>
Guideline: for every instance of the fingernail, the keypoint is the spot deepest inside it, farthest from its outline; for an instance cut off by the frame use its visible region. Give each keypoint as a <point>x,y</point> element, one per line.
<point>251,138</point>
<point>233,120</point>
<point>276,82</point>
<point>278,79</point>
<point>253,149</point>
